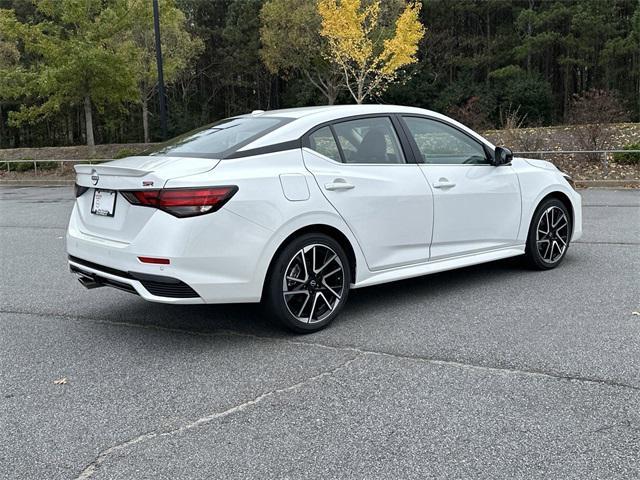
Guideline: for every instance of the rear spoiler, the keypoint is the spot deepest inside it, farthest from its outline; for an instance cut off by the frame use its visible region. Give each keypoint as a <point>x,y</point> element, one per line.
<point>111,170</point>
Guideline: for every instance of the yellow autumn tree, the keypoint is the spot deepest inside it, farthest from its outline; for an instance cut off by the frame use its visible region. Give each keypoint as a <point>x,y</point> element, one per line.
<point>370,55</point>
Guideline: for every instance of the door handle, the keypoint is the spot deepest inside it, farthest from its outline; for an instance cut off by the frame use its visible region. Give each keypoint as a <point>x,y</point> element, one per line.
<point>338,184</point>
<point>443,183</point>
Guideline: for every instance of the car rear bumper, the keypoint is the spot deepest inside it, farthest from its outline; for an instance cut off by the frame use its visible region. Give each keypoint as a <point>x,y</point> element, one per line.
<point>218,268</point>
<point>156,288</point>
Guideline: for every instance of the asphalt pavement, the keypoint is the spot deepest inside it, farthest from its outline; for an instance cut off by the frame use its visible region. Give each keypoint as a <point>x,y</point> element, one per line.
<point>487,372</point>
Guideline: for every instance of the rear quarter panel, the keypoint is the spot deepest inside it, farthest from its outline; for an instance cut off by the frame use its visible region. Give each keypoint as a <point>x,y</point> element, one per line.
<point>262,200</point>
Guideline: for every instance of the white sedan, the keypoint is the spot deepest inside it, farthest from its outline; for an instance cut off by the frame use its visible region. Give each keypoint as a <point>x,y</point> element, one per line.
<point>296,207</point>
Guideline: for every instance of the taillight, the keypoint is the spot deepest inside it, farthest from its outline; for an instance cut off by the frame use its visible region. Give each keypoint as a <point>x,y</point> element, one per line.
<point>80,190</point>
<point>183,202</point>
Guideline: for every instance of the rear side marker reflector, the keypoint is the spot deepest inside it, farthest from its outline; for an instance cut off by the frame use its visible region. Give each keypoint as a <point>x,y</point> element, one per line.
<point>157,261</point>
<point>183,202</point>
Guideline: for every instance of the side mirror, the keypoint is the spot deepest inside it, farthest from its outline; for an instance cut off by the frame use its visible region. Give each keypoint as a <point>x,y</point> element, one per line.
<point>502,156</point>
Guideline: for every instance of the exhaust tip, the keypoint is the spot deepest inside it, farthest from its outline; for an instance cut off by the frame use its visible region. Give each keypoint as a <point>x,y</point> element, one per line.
<point>88,282</point>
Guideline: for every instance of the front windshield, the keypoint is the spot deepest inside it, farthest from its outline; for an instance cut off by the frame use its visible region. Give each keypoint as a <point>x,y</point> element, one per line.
<point>221,138</point>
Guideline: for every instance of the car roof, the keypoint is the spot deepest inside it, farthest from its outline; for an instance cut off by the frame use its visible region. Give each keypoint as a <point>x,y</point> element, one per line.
<point>331,110</point>
<point>303,119</point>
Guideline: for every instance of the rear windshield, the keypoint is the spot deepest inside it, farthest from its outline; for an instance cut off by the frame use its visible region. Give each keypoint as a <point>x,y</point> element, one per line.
<point>221,138</point>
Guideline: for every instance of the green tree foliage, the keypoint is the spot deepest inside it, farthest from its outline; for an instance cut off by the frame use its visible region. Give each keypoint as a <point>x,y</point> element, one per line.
<point>480,61</point>
<point>245,77</point>
<point>292,44</point>
<point>78,57</point>
<point>11,70</point>
<point>532,53</point>
<point>179,49</point>
<point>513,86</point>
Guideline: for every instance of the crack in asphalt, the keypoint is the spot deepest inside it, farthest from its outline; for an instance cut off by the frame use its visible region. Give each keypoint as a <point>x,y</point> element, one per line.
<point>623,424</point>
<point>620,205</point>
<point>357,352</point>
<point>350,348</point>
<point>91,468</point>
<point>606,243</point>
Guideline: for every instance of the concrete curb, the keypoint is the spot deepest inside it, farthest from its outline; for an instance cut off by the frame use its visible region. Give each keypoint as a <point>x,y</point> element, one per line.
<point>608,183</point>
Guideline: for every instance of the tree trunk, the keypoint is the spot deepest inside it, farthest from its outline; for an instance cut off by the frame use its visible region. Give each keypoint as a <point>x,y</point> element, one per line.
<point>145,119</point>
<point>331,93</point>
<point>70,128</point>
<point>565,95</point>
<point>488,47</point>
<point>88,121</point>
<point>360,96</point>
<point>529,34</point>
<point>333,88</point>
<point>2,132</point>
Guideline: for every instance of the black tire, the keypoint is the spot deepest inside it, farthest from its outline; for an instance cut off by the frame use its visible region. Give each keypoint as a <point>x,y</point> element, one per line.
<point>319,286</point>
<point>545,251</point>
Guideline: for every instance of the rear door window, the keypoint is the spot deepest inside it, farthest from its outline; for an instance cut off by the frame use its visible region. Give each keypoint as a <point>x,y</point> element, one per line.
<point>369,140</point>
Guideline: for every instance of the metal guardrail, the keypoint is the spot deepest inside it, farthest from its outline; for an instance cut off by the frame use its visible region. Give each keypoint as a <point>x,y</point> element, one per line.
<point>60,161</point>
<point>603,153</point>
<point>576,151</point>
<point>538,153</point>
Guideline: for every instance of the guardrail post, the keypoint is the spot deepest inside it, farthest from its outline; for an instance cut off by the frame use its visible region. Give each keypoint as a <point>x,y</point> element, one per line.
<point>35,168</point>
<point>605,162</point>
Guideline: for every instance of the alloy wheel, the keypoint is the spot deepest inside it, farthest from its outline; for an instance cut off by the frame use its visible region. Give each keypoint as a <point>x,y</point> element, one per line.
<point>552,234</point>
<point>313,283</point>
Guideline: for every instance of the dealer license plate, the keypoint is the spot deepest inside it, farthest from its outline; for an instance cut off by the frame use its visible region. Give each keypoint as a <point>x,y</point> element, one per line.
<point>104,202</point>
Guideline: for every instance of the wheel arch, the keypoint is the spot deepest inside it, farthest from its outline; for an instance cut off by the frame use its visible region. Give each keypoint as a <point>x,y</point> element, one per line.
<point>325,229</point>
<point>566,201</point>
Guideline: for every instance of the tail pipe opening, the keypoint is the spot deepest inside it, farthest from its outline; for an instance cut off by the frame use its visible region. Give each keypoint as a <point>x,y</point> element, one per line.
<point>88,282</point>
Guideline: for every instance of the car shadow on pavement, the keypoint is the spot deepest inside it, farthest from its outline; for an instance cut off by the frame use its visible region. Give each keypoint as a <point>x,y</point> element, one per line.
<point>251,319</point>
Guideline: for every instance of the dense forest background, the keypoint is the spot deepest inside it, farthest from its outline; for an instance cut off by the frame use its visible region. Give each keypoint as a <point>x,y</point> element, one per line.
<point>480,61</point>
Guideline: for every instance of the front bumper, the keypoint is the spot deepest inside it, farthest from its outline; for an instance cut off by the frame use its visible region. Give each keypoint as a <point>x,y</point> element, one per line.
<point>576,203</point>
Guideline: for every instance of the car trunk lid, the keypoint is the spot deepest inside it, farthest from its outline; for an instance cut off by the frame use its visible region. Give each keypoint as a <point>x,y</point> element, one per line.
<point>132,173</point>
